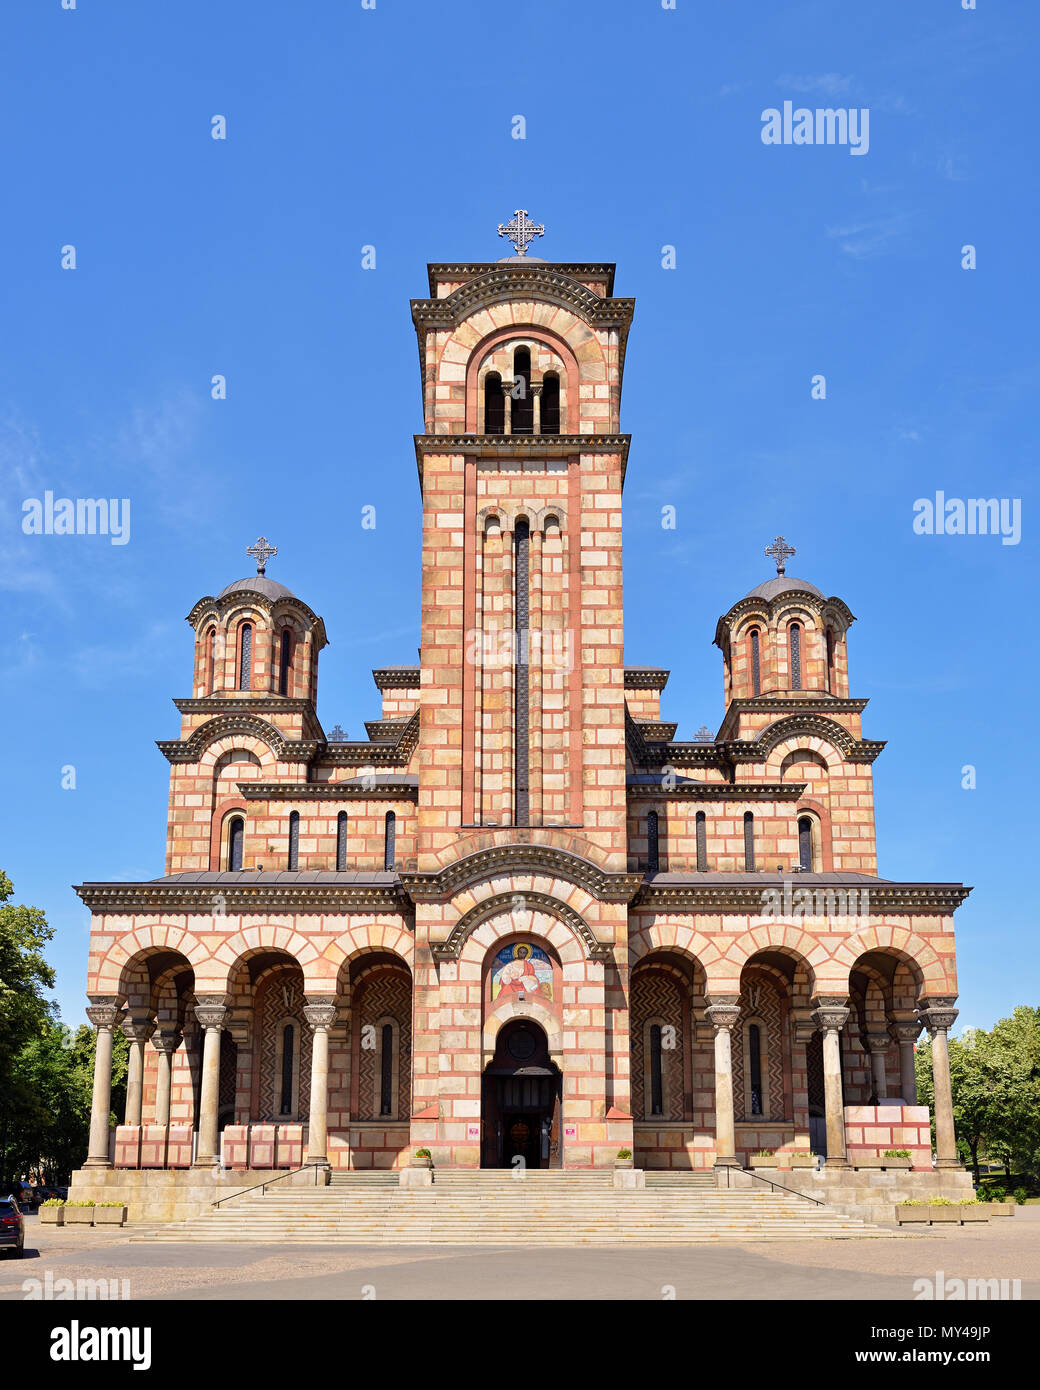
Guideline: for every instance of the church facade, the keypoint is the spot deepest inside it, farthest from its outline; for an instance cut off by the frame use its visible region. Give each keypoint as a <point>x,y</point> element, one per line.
<point>521,917</point>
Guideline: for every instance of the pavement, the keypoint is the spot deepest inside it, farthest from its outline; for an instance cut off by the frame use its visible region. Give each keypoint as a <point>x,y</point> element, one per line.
<point>1005,1248</point>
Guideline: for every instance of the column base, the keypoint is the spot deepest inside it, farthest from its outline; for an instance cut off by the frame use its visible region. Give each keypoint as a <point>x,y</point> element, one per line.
<point>950,1164</point>
<point>833,1163</point>
<point>97,1163</point>
<point>733,1162</point>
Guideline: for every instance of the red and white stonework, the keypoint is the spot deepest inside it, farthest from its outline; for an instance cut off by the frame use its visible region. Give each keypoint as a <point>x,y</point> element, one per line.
<point>521,916</point>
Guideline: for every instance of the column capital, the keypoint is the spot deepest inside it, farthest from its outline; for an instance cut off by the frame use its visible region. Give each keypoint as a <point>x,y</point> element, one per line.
<point>211,1011</point>
<point>167,1040</point>
<point>104,1013</point>
<point>879,1042</point>
<point>138,1029</point>
<point>938,1017</point>
<point>723,1014</point>
<point>906,1032</point>
<point>831,1016</point>
<point>320,1012</point>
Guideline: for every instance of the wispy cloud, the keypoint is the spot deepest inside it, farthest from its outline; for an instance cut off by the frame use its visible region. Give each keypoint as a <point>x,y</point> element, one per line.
<point>828,83</point>
<point>870,237</point>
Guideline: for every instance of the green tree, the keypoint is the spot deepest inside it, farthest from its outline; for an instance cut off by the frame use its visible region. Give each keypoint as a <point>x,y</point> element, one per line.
<point>24,974</point>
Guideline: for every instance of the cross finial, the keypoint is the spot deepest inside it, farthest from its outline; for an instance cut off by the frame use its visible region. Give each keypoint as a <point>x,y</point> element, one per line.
<point>780,551</point>
<point>520,231</point>
<point>261,552</point>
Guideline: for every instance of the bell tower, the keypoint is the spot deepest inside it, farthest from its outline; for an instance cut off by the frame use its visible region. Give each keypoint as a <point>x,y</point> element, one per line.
<point>521,468</point>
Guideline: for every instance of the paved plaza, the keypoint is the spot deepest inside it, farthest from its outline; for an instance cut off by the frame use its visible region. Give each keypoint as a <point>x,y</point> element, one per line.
<point>824,1269</point>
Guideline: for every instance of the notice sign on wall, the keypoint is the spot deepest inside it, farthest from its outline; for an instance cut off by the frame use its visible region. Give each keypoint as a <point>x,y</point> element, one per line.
<point>570,1131</point>
<point>473,1132</point>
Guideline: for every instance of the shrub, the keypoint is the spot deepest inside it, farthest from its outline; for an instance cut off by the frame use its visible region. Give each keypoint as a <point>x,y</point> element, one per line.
<point>994,1194</point>
<point>423,1153</point>
<point>624,1153</point>
<point>1020,1195</point>
<point>52,1202</point>
<point>766,1153</point>
<point>109,1204</point>
<point>83,1204</point>
<point>897,1153</point>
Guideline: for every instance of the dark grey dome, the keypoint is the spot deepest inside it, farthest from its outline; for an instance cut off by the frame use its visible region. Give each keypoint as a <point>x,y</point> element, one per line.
<point>540,260</point>
<point>781,584</point>
<point>259,584</point>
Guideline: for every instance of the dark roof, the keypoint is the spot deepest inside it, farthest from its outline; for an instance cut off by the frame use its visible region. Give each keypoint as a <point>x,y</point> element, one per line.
<point>781,584</point>
<point>258,584</point>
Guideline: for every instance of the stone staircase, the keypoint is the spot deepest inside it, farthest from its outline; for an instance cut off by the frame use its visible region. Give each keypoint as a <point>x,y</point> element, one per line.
<point>489,1208</point>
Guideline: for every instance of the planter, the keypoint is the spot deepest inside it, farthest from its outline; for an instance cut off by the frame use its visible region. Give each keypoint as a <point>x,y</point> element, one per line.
<point>52,1216</point>
<point>109,1216</point>
<point>79,1216</point>
<point>421,1163</point>
<point>876,1162</point>
<point>758,1161</point>
<point>937,1216</point>
<point>801,1160</point>
<point>906,1164</point>
<point>624,1163</point>
<point>979,1213</point>
<point>1001,1208</point>
<point>905,1215</point>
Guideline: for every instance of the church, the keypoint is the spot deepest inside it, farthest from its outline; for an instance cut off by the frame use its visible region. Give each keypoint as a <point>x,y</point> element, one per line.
<point>522,921</point>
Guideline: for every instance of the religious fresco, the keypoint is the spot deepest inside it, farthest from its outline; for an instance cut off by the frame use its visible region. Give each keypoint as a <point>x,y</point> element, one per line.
<point>522,969</point>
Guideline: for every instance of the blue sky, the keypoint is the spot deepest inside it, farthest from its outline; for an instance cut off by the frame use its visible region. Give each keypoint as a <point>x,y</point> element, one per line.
<point>392,128</point>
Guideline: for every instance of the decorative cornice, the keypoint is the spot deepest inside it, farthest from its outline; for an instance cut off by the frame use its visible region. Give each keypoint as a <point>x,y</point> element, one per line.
<point>326,791</point>
<point>521,858</point>
<point>190,750</point>
<point>717,791</point>
<point>495,281</point>
<point>252,895</point>
<point>449,948</point>
<point>539,446</point>
<point>439,271</point>
<point>701,892</point>
<point>397,753</point>
<point>646,677</point>
<point>656,730</point>
<point>852,749</point>
<point>397,677</point>
<point>217,704</point>
<point>222,602</point>
<point>385,730</point>
<point>755,603</point>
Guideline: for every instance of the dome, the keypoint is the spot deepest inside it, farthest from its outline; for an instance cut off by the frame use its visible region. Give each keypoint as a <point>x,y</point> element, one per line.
<point>527,260</point>
<point>258,584</point>
<point>781,584</point>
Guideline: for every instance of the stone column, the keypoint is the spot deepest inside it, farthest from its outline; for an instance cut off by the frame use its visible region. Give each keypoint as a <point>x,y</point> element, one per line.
<point>137,1029</point>
<point>878,1043</point>
<point>938,1017</point>
<point>212,1014</point>
<point>830,1018</point>
<point>165,1042</point>
<point>906,1035</point>
<point>536,408</point>
<point>103,1014</point>
<point>321,1015</point>
<point>723,1017</point>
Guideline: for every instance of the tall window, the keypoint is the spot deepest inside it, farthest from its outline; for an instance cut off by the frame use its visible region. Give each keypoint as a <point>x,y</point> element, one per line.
<point>656,1071</point>
<point>652,854</point>
<point>294,839</point>
<point>209,676</point>
<point>749,842</point>
<point>521,686</point>
<point>755,1067</point>
<point>341,841</point>
<point>830,660</point>
<point>521,413</point>
<point>756,663</point>
<point>236,838</point>
<point>389,839</point>
<point>245,656</point>
<point>386,1070</point>
<point>702,843</point>
<point>494,404</point>
<point>284,661</point>
<point>795,634</point>
<point>550,415</point>
<point>288,1048</point>
<point>805,844</point>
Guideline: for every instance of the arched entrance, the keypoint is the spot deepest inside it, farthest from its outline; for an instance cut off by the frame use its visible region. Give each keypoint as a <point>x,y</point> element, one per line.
<point>520,1101</point>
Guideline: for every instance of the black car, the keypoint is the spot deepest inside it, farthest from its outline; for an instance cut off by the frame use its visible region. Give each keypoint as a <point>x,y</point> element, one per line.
<point>12,1227</point>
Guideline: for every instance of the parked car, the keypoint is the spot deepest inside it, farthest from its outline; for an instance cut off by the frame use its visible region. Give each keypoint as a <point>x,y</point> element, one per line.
<point>12,1227</point>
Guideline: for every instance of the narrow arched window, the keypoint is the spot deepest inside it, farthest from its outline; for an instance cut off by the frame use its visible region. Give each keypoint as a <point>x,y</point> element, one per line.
<point>284,661</point>
<point>494,404</point>
<point>386,1070</point>
<point>288,1048</point>
<point>236,839</point>
<point>341,841</point>
<point>656,1071</point>
<point>795,635</point>
<point>756,663</point>
<point>702,843</point>
<point>550,403</point>
<point>522,674</point>
<point>245,656</point>
<point>830,660</point>
<point>294,839</point>
<point>652,853</point>
<point>521,413</point>
<point>749,842</point>
<point>805,844</point>
<point>209,676</point>
<point>755,1067</point>
<point>389,838</point>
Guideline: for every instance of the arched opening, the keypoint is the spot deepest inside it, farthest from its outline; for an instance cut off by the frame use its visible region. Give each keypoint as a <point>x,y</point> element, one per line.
<point>521,1100</point>
<point>341,842</point>
<point>390,841</point>
<point>755,658</point>
<point>805,844</point>
<point>285,661</point>
<point>653,858</point>
<point>794,633</point>
<point>749,842</point>
<point>381,1069</point>
<point>294,841</point>
<point>521,414</point>
<point>245,656</point>
<point>494,404</point>
<point>209,674</point>
<point>830,661</point>
<point>550,403</point>
<point>702,842</point>
<point>235,842</point>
